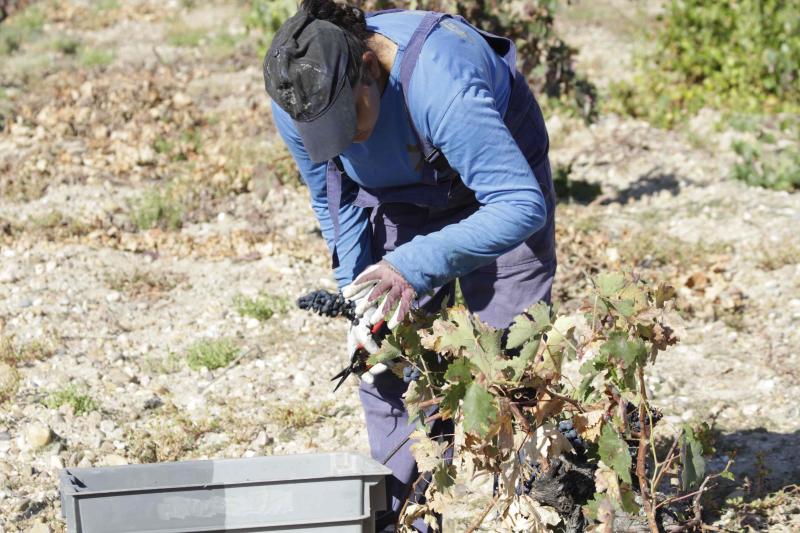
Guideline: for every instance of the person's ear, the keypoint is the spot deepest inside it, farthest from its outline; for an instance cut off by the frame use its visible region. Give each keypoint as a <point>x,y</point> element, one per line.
<point>370,67</point>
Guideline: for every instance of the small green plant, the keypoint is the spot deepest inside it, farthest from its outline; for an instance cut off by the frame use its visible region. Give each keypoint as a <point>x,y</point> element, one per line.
<point>19,28</point>
<point>142,283</point>
<point>181,35</point>
<point>765,165</point>
<point>265,17</point>
<point>81,403</point>
<point>9,381</point>
<point>93,57</point>
<point>211,354</point>
<point>732,54</point>
<point>67,45</point>
<point>157,209</point>
<point>262,307</point>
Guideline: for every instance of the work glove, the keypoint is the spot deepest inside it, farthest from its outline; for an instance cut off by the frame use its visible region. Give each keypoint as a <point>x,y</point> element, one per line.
<point>381,281</point>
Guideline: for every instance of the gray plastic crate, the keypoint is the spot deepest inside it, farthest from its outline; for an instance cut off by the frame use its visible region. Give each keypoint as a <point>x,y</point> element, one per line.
<point>319,493</point>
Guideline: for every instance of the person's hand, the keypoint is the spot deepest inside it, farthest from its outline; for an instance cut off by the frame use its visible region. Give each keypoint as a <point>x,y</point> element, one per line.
<point>381,280</point>
<point>360,336</point>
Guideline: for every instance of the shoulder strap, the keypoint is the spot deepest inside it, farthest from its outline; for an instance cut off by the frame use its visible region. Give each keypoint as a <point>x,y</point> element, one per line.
<point>433,156</point>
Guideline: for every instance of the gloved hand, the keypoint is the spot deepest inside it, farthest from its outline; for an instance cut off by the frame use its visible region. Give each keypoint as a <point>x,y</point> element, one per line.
<point>360,336</point>
<point>381,280</point>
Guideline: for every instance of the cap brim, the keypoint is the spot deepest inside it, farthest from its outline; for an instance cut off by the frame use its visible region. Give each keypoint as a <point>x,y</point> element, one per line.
<point>329,134</point>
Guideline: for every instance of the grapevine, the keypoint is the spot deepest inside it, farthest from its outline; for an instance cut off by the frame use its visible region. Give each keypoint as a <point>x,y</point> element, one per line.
<point>571,453</point>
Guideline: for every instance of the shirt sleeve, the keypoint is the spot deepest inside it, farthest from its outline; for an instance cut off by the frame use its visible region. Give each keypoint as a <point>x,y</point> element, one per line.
<point>353,246</point>
<point>476,142</point>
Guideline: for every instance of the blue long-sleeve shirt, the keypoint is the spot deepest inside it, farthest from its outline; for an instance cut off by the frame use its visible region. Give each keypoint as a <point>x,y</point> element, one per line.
<point>458,94</point>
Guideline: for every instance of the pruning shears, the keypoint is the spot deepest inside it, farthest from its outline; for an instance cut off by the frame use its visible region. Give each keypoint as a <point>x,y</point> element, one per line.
<point>358,361</point>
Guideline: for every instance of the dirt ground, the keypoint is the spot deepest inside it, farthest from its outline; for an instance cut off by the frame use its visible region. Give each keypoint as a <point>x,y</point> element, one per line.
<point>120,115</point>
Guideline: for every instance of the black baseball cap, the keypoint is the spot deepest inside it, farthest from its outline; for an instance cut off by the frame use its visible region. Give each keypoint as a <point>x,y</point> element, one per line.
<point>305,72</point>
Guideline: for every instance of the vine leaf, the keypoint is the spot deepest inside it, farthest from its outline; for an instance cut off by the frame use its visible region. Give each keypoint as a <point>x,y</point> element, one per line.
<point>694,466</point>
<point>629,352</point>
<point>614,452</point>
<point>459,376</point>
<point>451,335</point>
<point>480,410</point>
<point>390,349</point>
<point>524,329</point>
<point>621,495</point>
<point>428,453</point>
<point>518,364</point>
<point>610,284</point>
<point>589,425</point>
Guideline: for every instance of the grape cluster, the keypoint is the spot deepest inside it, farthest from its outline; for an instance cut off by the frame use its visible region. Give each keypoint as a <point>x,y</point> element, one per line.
<point>567,429</point>
<point>411,373</point>
<point>634,423</point>
<point>327,303</point>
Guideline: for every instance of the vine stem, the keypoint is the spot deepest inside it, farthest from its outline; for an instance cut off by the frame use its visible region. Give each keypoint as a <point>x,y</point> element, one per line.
<point>567,399</point>
<point>479,520</point>
<point>641,456</point>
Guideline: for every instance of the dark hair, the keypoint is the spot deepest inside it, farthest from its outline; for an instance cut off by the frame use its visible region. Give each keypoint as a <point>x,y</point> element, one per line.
<point>351,20</point>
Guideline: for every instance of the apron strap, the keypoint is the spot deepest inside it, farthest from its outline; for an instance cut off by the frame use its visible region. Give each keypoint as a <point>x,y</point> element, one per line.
<point>409,61</point>
<point>333,191</point>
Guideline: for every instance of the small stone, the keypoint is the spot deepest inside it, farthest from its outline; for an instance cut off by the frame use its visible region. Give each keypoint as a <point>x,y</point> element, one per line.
<point>56,463</point>
<point>113,296</point>
<point>107,426</point>
<point>146,156</point>
<point>9,274</point>
<point>153,403</point>
<point>38,435</point>
<point>766,385</point>
<point>750,409</point>
<point>114,460</point>
<point>39,528</point>
<point>181,100</point>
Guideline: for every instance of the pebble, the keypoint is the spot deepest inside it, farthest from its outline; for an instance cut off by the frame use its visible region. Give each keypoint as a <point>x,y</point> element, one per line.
<point>56,463</point>
<point>38,435</point>
<point>9,275</point>
<point>39,528</point>
<point>113,296</point>
<point>113,460</point>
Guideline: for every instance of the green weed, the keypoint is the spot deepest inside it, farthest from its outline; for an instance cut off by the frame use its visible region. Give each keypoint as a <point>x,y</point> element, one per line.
<point>93,57</point>
<point>9,381</point>
<point>20,28</point>
<point>67,45</point>
<point>157,209</point>
<point>262,307</point>
<point>765,165</point>
<point>81,403</point>
<point>181,35</point>
<point>211,354</point>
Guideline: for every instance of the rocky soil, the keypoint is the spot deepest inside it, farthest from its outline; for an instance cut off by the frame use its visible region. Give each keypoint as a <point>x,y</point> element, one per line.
<point>119,116</point>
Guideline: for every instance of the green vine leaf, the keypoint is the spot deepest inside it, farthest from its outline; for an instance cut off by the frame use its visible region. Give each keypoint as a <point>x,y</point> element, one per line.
<point>694,466</point>
<point>614,452</point>
<point>524,329</point>
<point>451,334</point>
<point>480,410</point>
<point>610,284</point>
<point>390,349</point>
<point>518,364</point>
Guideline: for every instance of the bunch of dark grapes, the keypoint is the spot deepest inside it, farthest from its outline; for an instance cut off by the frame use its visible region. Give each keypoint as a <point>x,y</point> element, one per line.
<point>411,373</point>
<point>568,430</point>
<point>327,303</point>
<point>634,423</point>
